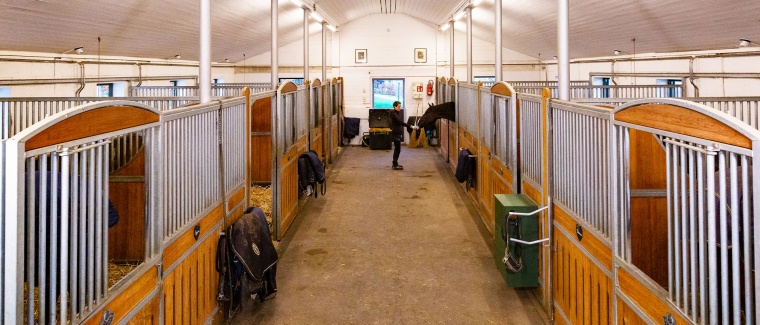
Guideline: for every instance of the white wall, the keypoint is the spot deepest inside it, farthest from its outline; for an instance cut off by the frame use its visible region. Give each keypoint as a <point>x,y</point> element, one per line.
<point>46,66</point>
<point>390,41</point>
<point>667,64</point>
<point>290,60</point>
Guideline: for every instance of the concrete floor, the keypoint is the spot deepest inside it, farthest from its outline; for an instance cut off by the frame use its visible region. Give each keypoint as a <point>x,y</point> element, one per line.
<point>390,247</point>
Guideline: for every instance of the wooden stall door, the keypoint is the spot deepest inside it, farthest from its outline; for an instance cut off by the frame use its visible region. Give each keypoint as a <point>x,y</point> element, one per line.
<point>288,186</point>
<point>126,190</point>
<point>443,136</point>
<point>261,141</point>
<point>334,142</point>
<point>582,291</point>
<point>649,206</point>
<point>190,288</point>
<point>453,149</point>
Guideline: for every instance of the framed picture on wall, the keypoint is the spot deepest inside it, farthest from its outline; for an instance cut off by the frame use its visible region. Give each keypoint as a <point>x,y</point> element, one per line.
<point>420,55</point>
<point>360,56</point>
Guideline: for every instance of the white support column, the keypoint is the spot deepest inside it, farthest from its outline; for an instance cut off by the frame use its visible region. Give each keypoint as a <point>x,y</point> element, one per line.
<point>451,49</point>
<point>497,62</point>
<point>204,61</point>
<point>274,63</point>
<point>324,51</point>
<point>305,44</point>
<point>563,52</point>
<point>469,44</point>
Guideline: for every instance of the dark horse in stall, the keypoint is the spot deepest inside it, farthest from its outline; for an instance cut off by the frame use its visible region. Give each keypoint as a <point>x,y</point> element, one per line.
<point>435,112</point>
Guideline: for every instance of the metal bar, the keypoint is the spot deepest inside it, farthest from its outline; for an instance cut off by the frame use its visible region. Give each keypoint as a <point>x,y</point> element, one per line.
<point>305,44</point>
<point>723,236</point>
<point>43,235</point>
<point>735,243</point>
<point>529,242</point>
<point>64,266</point>
<point>563,52</point>
<point>692,222</point>
<point>498,31</point>
<point>469,45</point>
<point>31,232</point>
<point>527,214</point>
<point>274,27</point>
<point>204,61</point>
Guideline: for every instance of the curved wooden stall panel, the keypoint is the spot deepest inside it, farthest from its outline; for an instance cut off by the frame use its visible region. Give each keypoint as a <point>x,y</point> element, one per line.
<point>80,126</point>
<point>683,121</point>
<point>261,141</point>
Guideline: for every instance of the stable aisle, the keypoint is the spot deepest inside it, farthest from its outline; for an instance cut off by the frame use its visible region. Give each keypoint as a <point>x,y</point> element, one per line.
<point>390,247</point>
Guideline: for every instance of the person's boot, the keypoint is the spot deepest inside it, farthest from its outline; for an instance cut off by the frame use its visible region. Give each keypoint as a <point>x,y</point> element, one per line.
<point>398,167</point>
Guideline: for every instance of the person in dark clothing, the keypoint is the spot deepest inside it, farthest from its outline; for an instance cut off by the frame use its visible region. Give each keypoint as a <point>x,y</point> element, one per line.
<point>397,126</point>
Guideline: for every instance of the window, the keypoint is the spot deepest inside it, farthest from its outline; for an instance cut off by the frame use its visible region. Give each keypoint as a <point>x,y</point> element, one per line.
<point>487,80</point>
<point>387,91</point>
<point>105,90</point>
<point>604,90</point>
<point>674,88</point>
<point>5,92</point>
<point>297,81</point>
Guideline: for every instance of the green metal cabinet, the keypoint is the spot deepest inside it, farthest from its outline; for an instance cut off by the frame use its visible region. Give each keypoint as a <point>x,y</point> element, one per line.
<point>527,277</point>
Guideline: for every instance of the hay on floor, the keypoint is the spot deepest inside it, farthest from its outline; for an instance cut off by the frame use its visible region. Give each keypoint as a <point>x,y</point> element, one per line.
<point>262,197</point>
<point>418,139</point>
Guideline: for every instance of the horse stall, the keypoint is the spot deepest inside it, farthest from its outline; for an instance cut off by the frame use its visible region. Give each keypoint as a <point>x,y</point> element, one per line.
<point>290,141</point>
<point>453,130</point>
<point>701,203</point>
<point>577,136</point>
<point>468,107</point>
<point>336,118</point>
<point>442,124</point>
<point>138,207</point>
<point>316,107</point>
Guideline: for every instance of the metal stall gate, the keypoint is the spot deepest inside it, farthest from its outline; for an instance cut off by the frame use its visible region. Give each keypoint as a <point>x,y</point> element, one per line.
<point>328,121</point>
<point>58,169</point>
<point>205,189</point>
<point>705,210</point>
<point>534,167</point>
<point>610,91</point>
<point>289,122</point>
<point>581,230</point>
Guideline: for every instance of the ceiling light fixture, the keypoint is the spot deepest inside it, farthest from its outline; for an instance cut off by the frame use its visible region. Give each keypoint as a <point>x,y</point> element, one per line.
<point>743,42</point>
<point>78,50</point>
<point>177,56</point>
<point>227,60</point>
<point>298,3</point>
<point>618,52</point>
<point>459,15</point>
<point>475,2</point>
<point>332,28</point>
<point>444,27</point>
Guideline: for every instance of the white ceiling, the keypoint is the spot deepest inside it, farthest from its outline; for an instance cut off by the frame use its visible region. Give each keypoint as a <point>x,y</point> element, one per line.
<point>161,29</point>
